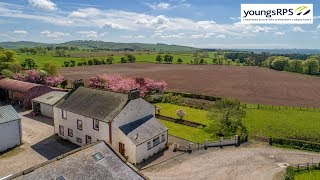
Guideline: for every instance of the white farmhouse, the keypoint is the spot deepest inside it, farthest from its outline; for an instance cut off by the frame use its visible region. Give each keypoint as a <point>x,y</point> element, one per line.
<point>125,120</point>
<point>10,128</point>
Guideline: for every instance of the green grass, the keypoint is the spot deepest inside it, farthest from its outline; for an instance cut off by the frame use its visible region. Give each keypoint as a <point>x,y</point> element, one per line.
<point>308,175</point>
<point>194,115</point>
<point>140,58</point>
<point>186,132</point>
<point>284,123</point>
<point>293,124</point>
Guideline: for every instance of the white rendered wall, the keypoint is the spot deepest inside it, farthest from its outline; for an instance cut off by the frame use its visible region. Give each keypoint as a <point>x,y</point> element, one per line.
<point>46,110</point>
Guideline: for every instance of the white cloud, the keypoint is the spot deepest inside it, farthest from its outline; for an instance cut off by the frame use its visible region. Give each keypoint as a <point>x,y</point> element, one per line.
<point>198,36</point>
<point>158,6</point>
<point>297,29</point>
<point>234,18</point>
<point>221,36</point>
<point>135,37</point>
<point>43,4</point>
<point>54,35</point>
<point>22,32</point>
<point>318,27</point>
<point>89,34</point>
<point>166,36</point>
<point>263,29</point>
<point>316,17</point>
<point>280,33</point>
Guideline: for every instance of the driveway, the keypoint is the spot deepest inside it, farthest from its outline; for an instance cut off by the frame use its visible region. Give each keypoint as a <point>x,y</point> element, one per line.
<point>252,161</point>
<point>39,145</point>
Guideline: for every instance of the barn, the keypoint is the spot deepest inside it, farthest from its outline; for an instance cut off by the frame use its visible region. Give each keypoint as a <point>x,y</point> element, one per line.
<point>13,91</point>
<point>44,104</point>
<point>10,128</point>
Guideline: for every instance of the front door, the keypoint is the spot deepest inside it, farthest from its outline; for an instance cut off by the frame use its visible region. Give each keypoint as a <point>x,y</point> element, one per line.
<point>88,139</point>
<point>121,149</point>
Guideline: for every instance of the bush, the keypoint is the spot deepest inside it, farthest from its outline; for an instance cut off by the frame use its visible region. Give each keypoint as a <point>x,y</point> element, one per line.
<point>90,62</point>
<point>173,99</point>
<point>7,73</point>
<point>154,98</point>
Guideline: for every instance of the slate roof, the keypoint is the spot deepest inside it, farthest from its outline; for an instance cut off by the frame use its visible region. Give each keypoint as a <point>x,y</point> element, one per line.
<point>80,164</point>
<point>94,103</point>
<point>7,114</point>
<point>50,98</point>
<point>143,129</point>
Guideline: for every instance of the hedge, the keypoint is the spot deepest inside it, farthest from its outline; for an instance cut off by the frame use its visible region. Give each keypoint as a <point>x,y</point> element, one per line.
<point>196,96</point>
<point>296,144</point>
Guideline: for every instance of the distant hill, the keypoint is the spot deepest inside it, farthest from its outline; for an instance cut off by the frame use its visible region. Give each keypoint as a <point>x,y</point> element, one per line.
<point>282,51</point>
<point>82,44</point>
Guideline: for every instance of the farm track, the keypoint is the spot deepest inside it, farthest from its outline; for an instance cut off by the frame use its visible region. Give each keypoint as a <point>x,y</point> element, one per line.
<point>249,84</point>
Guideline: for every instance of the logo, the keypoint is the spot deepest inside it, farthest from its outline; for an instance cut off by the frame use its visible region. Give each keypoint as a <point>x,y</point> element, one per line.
<point>277,13</point>
<point>302,10</point>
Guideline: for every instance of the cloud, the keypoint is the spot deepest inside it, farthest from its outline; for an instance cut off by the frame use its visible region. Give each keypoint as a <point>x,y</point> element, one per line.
<point>318,27</point>
<point>316,17</point>
<point>263,29</point>
<point>89,34</point>
<point>297,29</point>
<point>54,35</point>
<point>21,32</point>
<point>280,33</point>
<point>43,4</point>
<point>133,37</point>
<point>158,6</point>
<point>166,36</point>
<point>234,18</point>
<point>198,36</point>
<point>221,36</point>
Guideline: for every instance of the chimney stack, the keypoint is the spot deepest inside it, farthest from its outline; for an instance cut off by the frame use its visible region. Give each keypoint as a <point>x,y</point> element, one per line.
<point>134,94</point>
<point>77,84</point>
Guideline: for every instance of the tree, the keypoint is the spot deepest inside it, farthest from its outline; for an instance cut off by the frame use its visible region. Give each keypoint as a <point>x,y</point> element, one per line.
<point>311,66</point>
<point>110,60</point>
<point>72,63</point>
<point>226,116</point>
<point>90,62</point>
<point>123,60</point>
<point>295,65</point>
<point>33,51</point>
<point>30,63</point>
<point>15,67</point>
<point>66,63</point>
<point>249,61</point>
<point>202,61</point>
<point>237,61</point>
<point>51,68</point>
<point>159,59</point>
<point>179,61</point>
<point>280,63</point>
<point>60,53</point>
<point>131,58</point>
<point>7,73</point>
<point>168,58</point>
<point>181,113</point>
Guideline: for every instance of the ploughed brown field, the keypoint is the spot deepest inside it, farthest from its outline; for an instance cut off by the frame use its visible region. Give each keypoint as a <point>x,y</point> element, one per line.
<point>249,84</point>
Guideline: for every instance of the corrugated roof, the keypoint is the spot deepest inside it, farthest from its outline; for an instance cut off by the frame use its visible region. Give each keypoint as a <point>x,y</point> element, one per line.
<point>143,129</point>
<point>15,85</point>
<point>50,98</point>
<point>81,165</point>
<point>94,103</point>
<point>7,114</point>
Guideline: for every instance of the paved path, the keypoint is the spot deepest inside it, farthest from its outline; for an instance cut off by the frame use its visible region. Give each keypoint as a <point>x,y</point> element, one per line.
<point>253,161</point>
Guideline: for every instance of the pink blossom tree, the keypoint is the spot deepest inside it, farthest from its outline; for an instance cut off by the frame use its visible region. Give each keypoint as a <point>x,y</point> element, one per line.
<point>118,83</point>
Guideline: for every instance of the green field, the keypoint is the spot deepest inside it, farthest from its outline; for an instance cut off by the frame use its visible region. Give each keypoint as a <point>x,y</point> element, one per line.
<point>292,124</point>
<point>142,57</point>
<point>312,175</point>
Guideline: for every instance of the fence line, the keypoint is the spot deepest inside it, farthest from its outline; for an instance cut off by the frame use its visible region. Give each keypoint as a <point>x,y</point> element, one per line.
<point>278,107</point>
<point>197,146</point>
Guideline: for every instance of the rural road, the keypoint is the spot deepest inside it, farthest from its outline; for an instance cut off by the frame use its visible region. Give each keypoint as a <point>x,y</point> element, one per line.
<point>255,161</point>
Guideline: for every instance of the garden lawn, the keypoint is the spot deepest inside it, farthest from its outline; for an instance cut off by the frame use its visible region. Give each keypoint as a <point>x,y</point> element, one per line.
<point>186,132</point>
<point>194,115</point>
<point>284,123</point>
<point>308,175</point>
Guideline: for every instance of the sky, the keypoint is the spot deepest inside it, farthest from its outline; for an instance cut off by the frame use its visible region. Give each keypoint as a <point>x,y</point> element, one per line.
<point>197,23</point>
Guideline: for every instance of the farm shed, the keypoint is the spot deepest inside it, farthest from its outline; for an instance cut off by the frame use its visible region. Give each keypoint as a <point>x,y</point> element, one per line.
<point>10,128</point>
<point>20,92</point>
<point>44,104</point>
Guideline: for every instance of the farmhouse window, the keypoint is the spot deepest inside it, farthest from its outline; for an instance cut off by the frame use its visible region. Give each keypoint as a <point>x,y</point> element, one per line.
<point>163,139</point>
<point>61,130</point>
<point>156,141</point>
<point>70,132</point>
<point>96,124</point>
<point>79,124</point>
<point>79,140</point>
<point>64,114</point>
<point>149,145</point>
<point>88,139</point>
